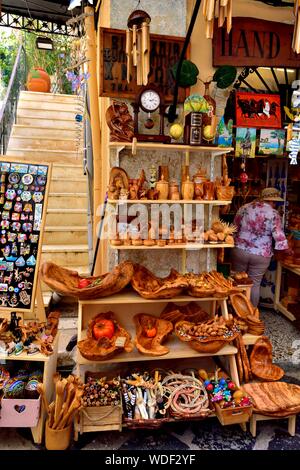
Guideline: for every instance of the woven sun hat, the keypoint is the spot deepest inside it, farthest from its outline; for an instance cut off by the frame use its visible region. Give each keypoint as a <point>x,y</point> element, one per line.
<point>271,194</point>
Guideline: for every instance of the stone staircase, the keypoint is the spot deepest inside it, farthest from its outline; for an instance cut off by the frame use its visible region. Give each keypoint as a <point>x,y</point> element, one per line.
<point>46,131</point>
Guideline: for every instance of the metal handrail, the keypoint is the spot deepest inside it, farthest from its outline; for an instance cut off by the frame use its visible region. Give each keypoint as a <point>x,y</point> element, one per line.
<point>9,105</point>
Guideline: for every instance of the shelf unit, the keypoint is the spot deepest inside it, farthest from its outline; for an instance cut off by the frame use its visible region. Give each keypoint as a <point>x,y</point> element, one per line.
<point>49,368</point>
<point>178,350</point>
<point>175,246</point>
<point>168,201</point>
<point>128,303</point>
<point>210,151</point>
<point>277,304</point>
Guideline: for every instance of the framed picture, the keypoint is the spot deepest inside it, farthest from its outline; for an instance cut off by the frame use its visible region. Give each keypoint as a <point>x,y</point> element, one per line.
<point>224,133</point>
<point>245,142</point>
<point>258,110</point>
<point>271,142</point>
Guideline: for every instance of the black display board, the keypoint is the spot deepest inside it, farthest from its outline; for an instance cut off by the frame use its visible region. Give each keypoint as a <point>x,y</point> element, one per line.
<point>23,202</point>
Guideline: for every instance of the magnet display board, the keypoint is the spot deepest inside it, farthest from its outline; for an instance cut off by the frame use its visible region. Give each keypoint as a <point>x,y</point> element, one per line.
<point>24,191</point>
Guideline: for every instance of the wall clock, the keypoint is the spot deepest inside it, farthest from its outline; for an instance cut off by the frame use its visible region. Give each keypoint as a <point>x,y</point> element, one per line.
<point>150,100</point>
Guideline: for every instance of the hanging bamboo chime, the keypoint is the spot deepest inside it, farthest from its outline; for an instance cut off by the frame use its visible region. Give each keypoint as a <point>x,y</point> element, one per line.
<point>221,9</point>
<point>138,46</point>
<point>296,35</point>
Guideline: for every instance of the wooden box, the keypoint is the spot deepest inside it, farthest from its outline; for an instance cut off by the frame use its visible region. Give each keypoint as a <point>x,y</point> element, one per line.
<point>233,415</point>
<point>19,412</point>
<point>100,418</point>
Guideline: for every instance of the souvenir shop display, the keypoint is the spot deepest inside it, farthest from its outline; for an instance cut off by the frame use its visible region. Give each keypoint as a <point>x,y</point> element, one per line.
<point>198,187</point>
<point>105,338</point>
<point>70,283</point>
<point>151,332</point>
<point>23,201</point>
<point>30,337</point>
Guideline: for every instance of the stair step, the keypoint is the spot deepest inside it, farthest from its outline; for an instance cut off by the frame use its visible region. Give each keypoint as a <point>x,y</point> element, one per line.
<point>67,235</point>
<point>49,156</point>
<point>68,184</point>
<point>62,200</point>
<point>60,98</point>
<point>66,217</point>
<point>64,170</point>
<point>28,142</point>
<point>71,255</point>
<point>49,123</point>
<point>38,131</point>
<point>37,112</point>
<point>43,104</point>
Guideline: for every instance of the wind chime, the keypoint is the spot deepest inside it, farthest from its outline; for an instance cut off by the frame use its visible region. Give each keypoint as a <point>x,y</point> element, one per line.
<point>138,46</point>
<point>221,9</point>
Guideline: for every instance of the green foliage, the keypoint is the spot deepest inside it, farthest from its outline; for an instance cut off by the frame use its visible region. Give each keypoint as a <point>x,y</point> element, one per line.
<point>188,73</point>
<point>225,76</point>
<point>54,62</point>
<point>9,44</point>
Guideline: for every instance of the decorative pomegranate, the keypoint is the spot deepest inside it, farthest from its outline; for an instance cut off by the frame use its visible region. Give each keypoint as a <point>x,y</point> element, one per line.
<point>38,80</point>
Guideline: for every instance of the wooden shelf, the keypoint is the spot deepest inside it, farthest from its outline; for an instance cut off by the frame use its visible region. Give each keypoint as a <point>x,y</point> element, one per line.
<point>174,147</point>
<point>178,350</point>
<point>175,246</point>
<point>285,311</point>
<point>39,357</point>
<point>292,269</point>
<point>250,339</point>
<point>132,297</point>
<point>168,201</point>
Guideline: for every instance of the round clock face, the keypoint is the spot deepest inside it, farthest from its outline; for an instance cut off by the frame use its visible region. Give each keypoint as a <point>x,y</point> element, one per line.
<point>150,100</point>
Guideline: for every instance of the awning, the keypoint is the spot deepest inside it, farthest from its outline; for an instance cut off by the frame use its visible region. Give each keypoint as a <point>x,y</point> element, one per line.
<point>51,15</point>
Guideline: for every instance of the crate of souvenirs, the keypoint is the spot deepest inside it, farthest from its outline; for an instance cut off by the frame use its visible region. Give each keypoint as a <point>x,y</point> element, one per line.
<point>231,404</point>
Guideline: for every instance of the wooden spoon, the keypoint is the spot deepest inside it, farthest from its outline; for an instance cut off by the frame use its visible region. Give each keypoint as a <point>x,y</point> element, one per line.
<point>60,389</point>
<point>41,390</point>
<point>76,403</point>
<point>51,410</point>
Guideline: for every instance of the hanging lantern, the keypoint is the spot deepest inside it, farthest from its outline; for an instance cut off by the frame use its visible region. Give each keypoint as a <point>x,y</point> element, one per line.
<point>138,46</point>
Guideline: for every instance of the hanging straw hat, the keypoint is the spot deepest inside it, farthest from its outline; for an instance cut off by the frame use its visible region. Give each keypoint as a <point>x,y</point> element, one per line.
<point>271,194</point>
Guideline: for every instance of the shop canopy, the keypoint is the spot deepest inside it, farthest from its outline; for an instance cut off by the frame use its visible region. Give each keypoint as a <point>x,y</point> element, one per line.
<point>38,15</point>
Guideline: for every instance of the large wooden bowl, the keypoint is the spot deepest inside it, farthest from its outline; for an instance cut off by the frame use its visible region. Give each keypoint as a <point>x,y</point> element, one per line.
<point>261,361</point>
<point>66,282</point>
<point>211,344</point>
<point>99,350</point>
<point>149,286</point>
<point>151,346</point>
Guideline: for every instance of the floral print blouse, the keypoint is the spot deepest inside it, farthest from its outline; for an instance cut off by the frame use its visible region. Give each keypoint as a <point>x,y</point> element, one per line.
<point>258,223</point>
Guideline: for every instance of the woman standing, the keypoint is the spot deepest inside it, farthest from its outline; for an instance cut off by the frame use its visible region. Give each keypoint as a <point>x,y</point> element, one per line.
<point>258,226</point>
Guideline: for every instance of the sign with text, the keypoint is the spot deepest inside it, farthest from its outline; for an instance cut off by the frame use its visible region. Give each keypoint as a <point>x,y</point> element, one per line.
<point>164,53</point>
<point>254,42</point>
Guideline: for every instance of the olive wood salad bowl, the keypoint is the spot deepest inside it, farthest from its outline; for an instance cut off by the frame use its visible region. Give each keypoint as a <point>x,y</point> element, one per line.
<point>209,342</point>
<point>105,338</point>
<point>150,333</point>
<point>261,361</point>
<point>66,282</point>
<point>149,286</point>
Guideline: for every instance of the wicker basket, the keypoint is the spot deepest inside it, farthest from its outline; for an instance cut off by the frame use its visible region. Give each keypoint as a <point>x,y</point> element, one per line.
<point>145,423</point>
<point>225,193</point>
<point>66,282</point>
